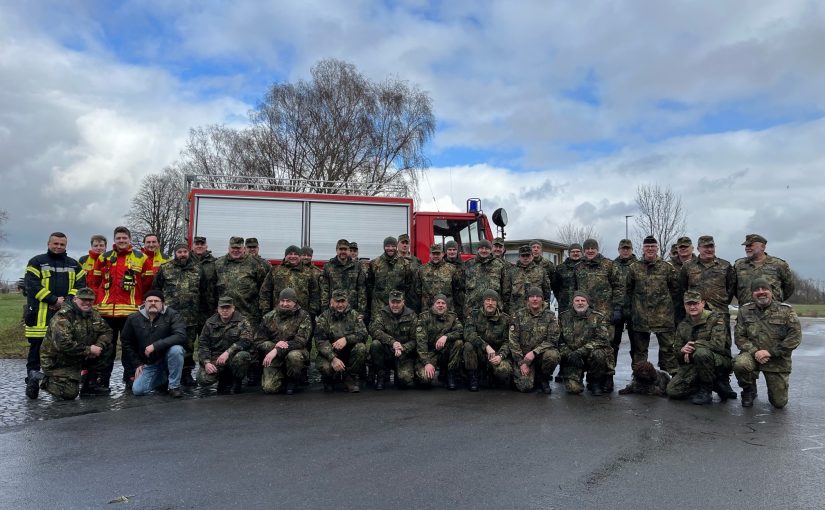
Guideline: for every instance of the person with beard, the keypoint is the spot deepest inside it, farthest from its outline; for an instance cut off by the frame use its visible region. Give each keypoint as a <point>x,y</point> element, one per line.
<point>585,346</point>
<point>483,273</point>
<point>524,275</point>
<point>344,273</point>
<point>388,272</point>
<point>291,273</point>
<point>758,264</point>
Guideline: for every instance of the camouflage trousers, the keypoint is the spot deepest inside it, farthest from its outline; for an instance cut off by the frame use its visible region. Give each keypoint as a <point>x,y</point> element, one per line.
<point>448,358</point>
<point>616,343</point>
<point>290,366</point>
<point>383,359</point>
<point>704,368</point>
<point>598,363</point>
<point>640,341</point>
<point>189,346</point>
<point>64,381</point>
<point>546,363</point>
<point>234,368</point>
<point>476,359</point>
<point>747,371</point>
<point>353,355</point>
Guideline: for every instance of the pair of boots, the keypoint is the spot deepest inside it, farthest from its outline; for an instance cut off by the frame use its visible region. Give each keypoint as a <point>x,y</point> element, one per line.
<point>350,384</point>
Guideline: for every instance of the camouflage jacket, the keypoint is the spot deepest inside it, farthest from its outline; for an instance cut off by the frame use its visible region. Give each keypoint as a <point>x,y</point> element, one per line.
<point>332,325</point>
<point>524,276</point>
<point>292,326</point>
<point>388,274</point>
<point>347,276</point>
<point>623,266</point>
<point>564,282</point>
<point>299,278</point>
<point>431,327</point>
<point>710,332</point>
<point>413,261</point>
<point>481,274</point>
<point>387,327</point>
<point>535,332</point>
<point>547,265</point>
<point>716,281</point>
<point>484,329</point>
<point>586,331</point>
<point>774,328</point>
<point>217,336</point>
<point>456,263</point>
<point>652,287</point>
<point>773,269</point>
<point>68,338</point>
<point>241,279</point>
<point>207,263</point>
<point>265,264</point>
<point>184,288</point>
<point>602,282</point>
<point>442,278</point>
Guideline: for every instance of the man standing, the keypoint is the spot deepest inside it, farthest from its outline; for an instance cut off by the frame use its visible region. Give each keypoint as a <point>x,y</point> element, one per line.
<point>437,277</point>
<point>534,341</point>
<point>306,260</point>
<point>584,347</point>
<point>524,275</point>
<point>486,341</point>
<point>204,258</point>
<point>482,273</point>
<point>538,258</point>
<point>704,355</point>
<point>154,259</point>
<point>223,350</point>
<point>50,279</point>
<point>759,264</point>
<point>622,264</point>
<point>767,332</point>
<point>451,255</point>
<point>388,272</point>
<point>652,284</point>
<point>92,263</point>
<point>253,249</point>
<point>154,337</point>
<point>439,344</point>
<point>499,250</point>
<point>293,274</point>
<point>77,340</point>
<point>240,277</point>
<point>184,287</point>
<point>405,253</point>
<point>353,254</point>
<point>341,272</point>
<point>282,342</point>
<point>393,341</point>
<point>684,254</point>
<point>564,277</point>
<point>341,339</point>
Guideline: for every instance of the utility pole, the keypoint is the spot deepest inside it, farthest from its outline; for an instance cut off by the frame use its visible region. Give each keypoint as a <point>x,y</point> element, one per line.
<point>627,217</point>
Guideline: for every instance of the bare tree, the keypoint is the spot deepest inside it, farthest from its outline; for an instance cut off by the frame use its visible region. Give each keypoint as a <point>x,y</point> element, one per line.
<point>159,208</point>
<point>570,233</point>
<point>660,214</point>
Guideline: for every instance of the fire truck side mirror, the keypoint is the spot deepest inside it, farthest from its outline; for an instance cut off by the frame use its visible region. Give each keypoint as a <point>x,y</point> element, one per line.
<point>500,217</point>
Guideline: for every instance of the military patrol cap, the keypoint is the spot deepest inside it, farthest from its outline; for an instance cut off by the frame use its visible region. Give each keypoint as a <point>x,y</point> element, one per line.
<point>226,301</point>
<point>626,243</point>
<point>583,294</point>
<point>574,246</point>
<point>236,242</point>
<point>153,293</point>
<point>684,242</point>
<point>490,294</point>
<point>353,245</point>
<point>436,248</point>
<point>650,240</point>
<point>591,243</point>
<point>760,283</point>
<point>692,296</point>
<point>534,291</point>
<point>403,237</point>
<point>306,250</point>
<point>85,293</point>
<point>439,296</point>
<point>199,240</point>
<point>754,238</point>
<point>292,249</point>
<point>524,249</point>
<point>342,242</point>
<point>450,244</point>
<point>339,295</point>
<point>484,243</point>
<point>396,295</point>
<point>499,241</point>
<point>252,242</point>
<point>705,240</point>
<point>179,246</point>
<point>390,241</point>
<point>289,294</point>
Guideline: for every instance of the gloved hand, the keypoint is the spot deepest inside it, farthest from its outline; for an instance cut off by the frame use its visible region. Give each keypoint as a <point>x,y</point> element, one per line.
<point>616,318</point>
<point>128,282</point>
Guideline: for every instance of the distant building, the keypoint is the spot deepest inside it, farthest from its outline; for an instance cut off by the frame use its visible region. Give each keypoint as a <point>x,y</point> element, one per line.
<point>550,249</point>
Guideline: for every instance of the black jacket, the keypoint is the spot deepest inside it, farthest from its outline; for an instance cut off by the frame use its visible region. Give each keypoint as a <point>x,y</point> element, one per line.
<point>139,332</point>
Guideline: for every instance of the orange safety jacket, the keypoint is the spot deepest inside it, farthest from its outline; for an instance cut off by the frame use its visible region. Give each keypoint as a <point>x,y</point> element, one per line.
<point>92,264</point>
<point>150,267</point>
<point>122,282</point>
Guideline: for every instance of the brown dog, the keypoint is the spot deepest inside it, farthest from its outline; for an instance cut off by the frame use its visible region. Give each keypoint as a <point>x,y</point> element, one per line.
<point>647,381</point>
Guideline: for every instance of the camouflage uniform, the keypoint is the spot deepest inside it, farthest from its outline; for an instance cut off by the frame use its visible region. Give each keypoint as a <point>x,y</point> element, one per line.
<point>442,278</point>
<point>585,334</point>
<point>652,287</point>
<point>386,328</point>
<point>297,277</point>
<point>709,361</point>
<point>387,274</point>
<point>293,327</point>
<point>524,276</point>
<point>66,347</point>
<point>537,332</point>
<point>602,282</point>
<point>548,266</point>
<point>333,325</point>
<point>776,329</point>
<point>678,309</point>
<point>241,279</point>
<point>773,269</point>
<point>715,281</point>
<point>483,329</point>
<point>233,336</point>
<point>482,274</point>
<point>207,263</point>
<point>431,327</point>
<point>348,276</point>
<point>622,266</point>
<point>564,282</point>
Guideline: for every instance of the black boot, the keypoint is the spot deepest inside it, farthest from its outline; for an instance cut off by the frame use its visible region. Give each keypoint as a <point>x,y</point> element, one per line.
<point>253,375</point>
<point>607,385</point>
<point>703,396</point>
<point>33,383</point>
<point>473,380</point>
<point>450,379</point>
<point>595,387</point>
<point>223,386</point>
<point>723,389</point>
<point>186,377</point>
<point>545,386</point>
<point>237,385</point>
<point>748,394</point>
<point>379,380</point>
<point>92,388</point>
<point>329,387</point>
<point>290,386</point>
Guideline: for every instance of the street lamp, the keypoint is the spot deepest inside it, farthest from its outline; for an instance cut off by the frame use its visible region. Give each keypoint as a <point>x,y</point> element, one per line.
<point>627,217</point>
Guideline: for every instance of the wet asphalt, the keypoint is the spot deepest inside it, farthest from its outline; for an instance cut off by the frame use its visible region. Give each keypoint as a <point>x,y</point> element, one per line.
<point>416,448</point>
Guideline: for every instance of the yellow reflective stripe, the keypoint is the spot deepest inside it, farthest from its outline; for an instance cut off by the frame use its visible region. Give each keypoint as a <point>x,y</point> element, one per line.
<point>33,270</point>
<point>42,294</point>
<point>72,278</point>
<point>42,312</point>
<point>76,276</point>
<point>35,332</point>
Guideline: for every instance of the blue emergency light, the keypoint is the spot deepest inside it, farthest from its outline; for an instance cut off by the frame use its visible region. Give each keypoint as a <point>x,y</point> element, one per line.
<point>474,205</point>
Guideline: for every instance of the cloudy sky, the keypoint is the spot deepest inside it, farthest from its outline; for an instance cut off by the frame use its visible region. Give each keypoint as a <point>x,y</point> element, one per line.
<point>555,110</point>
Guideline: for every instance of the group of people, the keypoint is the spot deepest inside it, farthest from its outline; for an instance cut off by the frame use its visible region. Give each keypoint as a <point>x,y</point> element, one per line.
<point>483,320</point>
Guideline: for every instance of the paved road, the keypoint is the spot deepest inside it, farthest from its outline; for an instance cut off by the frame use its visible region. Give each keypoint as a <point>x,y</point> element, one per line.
<point>428,449</point>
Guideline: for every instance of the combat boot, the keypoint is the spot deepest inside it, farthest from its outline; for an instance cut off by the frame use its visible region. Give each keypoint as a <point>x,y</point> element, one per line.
<point>473,380</point>
<point>329,386</point>
<point>351,383</point>
<point>703,396</point>
<point>186,377</point>
<point>290,386</point>
<point>92,389</point>
<point>748,394</point>
<point>237,385</point>
<point>595,387</point>
<point>573,386</point>
<point>450,379</point>
<point>223,387</point>
<point>33,383</point>
<point>379,380</point>
<point>607,385</point>
<point>253,376</point>
<point>722,387</point>
<point>545,386</point>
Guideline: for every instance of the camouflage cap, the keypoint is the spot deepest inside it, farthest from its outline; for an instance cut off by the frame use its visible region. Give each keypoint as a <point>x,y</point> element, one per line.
<point>524,249</point>
<point>754,238</point>
<point>85,293</point>
<point>436,248</point>
<point>390,241</point>
<point>760,283</point>
<point>484,243</point>
<point>574,246</point>
<point>650,240</point>
<point>342,242</point>
<point>288,293</point>
<point>307,250</point>
<point>692,296</point>
<point>684,242</point>
<point>490,294</point>
<point>353,245</point>
<point>450,244</point>
<point>396,295</point>
<point>292,249</point>
<point>535,291</point>
<point>226,301</point>
<point>339,295</point>
<point>252,242</point>
<point>705,240</point>
<point>583,294</point>
<point>499,241</point>
<point>199,240</point>
<point>626,243</point>
<point>590,243</point>
<point>236,242</point>
<point>404,237</point>
<point>442,297</point>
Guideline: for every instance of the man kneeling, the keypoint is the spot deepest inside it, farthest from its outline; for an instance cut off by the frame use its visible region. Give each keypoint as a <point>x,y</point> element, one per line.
<point>224,348</point>
<point>534,340</point>
<point>438,337</point>
<point>340,336</point>
<point>282,341</point>
<point>585,346</point>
